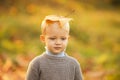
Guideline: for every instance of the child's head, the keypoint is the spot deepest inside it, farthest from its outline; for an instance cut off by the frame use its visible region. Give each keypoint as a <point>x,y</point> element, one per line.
<point>55,33</point>
<point>51,19</point>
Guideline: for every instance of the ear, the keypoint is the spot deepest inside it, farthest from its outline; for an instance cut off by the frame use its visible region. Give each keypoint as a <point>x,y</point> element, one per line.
<point>42,38</point>
<point>69,37</point>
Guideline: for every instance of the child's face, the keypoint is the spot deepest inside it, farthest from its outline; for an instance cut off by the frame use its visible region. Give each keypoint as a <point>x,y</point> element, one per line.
<point>55,39</point>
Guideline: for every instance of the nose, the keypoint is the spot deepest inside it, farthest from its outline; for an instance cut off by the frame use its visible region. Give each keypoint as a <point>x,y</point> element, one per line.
<point>58,42</point>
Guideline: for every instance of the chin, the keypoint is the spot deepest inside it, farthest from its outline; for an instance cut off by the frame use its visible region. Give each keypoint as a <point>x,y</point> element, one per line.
<point>56,52</point>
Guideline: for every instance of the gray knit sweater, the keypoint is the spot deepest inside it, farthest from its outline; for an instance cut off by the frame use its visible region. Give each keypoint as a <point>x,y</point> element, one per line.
<point>46,67</point>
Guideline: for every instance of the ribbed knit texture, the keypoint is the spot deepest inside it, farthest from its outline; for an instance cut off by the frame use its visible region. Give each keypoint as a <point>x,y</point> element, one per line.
<point>46,67</point>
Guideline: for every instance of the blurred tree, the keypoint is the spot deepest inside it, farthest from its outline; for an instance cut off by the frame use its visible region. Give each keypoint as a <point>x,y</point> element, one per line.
<point>102,3</point>
<point>115,3</point>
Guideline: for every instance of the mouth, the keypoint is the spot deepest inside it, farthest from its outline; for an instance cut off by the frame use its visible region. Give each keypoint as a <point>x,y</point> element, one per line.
<point>57,48</point>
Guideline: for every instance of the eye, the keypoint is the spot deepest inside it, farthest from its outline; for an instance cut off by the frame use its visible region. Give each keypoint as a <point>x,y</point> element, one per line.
<point>52,38</point>
<point>63,38</point>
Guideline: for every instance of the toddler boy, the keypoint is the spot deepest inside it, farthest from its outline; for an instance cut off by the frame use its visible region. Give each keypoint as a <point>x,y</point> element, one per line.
<point>54,63</point>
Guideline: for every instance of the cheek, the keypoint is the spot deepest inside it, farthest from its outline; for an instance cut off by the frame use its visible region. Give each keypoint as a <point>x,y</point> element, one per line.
<point>49,42</point>
<point>65,42</point>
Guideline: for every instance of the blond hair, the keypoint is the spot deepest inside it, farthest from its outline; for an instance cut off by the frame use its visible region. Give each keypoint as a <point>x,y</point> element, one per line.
<point>50,19</point>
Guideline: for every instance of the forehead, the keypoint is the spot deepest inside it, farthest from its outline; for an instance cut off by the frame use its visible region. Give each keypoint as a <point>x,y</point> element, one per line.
<point>55,29</point>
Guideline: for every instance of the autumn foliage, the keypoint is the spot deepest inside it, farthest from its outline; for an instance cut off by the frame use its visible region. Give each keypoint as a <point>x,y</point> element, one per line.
<point>94,40</point>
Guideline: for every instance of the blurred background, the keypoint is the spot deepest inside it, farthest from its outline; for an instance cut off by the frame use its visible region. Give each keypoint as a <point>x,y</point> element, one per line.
<point>94,42</point>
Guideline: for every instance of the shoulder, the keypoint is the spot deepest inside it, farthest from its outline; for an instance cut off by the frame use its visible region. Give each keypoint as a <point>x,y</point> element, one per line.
<point>72,60</point>
<point>36,60</point>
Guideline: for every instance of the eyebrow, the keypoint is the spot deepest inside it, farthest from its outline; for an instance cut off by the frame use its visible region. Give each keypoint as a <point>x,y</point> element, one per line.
<point>56,36</point>
<point>63,36</point>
